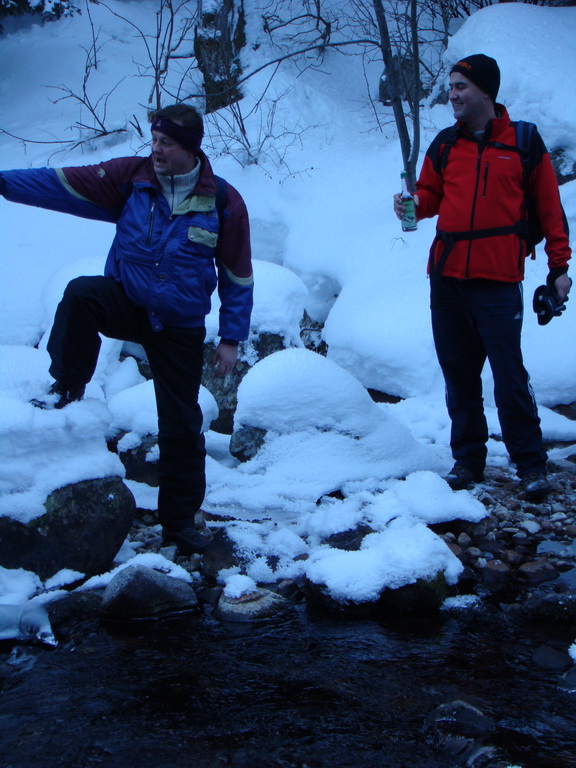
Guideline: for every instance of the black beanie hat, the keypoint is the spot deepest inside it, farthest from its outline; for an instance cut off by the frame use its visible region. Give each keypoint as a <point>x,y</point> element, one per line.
<point>482,71</point>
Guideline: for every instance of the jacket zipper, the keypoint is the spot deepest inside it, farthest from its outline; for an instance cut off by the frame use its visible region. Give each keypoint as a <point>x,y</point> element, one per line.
<point>151,225</point>
<point>473,211</point>
<point>485,179</point>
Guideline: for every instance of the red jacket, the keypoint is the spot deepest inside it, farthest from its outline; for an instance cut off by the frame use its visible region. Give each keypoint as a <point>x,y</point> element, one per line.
<point>482,188</point>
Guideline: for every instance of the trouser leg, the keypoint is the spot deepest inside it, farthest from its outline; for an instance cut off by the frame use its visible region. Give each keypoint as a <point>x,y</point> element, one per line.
<point>89,306</point>
<point>500,325</point>
<point>175,357</point>
<point>461,357</point>
<point>93,305</point>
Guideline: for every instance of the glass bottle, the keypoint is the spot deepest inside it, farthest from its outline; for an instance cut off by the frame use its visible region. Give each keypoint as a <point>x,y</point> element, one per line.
<point>409,223</point>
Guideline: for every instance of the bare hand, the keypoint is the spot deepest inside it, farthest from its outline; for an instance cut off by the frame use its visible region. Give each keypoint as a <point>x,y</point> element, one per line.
<point>224,358</point>
<point>562,285</point>
<point>399,205</point>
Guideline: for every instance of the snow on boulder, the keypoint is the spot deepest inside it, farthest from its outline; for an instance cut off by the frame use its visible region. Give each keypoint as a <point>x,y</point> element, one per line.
<point>297,389</point>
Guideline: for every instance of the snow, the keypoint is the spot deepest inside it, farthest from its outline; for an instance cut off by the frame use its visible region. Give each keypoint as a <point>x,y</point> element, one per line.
<point>325,240</point>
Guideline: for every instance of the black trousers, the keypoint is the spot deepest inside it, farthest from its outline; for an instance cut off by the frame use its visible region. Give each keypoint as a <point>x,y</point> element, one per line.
<point>475,320</point>
<point>98,305</point>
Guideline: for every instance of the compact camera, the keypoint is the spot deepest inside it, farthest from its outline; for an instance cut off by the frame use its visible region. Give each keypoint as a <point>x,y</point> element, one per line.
<point>547,304</point>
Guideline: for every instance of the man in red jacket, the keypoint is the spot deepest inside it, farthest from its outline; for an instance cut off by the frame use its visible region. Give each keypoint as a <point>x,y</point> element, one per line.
<point>476,270</point>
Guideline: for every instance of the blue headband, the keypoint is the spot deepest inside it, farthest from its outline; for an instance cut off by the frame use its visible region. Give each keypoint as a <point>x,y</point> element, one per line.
<point>188,138</point>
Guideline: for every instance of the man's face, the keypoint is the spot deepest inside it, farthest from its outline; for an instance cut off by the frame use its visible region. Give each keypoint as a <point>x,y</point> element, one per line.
<point>169,157</point>
<point>470,103</point>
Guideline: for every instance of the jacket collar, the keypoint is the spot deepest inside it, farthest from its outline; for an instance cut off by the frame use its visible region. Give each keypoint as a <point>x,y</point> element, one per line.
<point>206,184</point>
<point>494,128</point>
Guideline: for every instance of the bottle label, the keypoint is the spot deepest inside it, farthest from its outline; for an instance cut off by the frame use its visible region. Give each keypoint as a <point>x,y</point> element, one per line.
<point>409,222</point>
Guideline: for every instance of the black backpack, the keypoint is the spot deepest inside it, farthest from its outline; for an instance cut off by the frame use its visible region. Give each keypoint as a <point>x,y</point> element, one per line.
<point>530,148</point>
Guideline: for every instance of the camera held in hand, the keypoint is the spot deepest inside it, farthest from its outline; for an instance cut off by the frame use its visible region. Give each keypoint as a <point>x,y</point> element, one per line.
<point>547,304</point>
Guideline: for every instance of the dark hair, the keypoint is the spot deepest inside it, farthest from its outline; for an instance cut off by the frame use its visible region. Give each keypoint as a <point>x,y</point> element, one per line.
<point>184,114</point>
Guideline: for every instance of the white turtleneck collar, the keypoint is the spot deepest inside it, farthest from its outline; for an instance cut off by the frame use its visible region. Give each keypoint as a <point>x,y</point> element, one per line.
<point>177,188</point>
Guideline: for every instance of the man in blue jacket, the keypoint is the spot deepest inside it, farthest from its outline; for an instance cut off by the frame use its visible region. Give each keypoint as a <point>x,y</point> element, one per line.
<point>180,232</point>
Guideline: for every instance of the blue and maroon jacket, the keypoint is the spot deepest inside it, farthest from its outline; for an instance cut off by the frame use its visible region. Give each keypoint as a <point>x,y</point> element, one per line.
<point>169,263</point>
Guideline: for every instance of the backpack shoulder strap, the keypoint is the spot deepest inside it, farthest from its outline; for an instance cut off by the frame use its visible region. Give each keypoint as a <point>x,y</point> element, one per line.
<point>441,146</point>
<point>221,197</point>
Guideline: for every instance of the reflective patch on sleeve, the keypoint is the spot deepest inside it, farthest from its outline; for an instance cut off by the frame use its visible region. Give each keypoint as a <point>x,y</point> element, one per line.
<point>238,280</point>
<point>68,187</point>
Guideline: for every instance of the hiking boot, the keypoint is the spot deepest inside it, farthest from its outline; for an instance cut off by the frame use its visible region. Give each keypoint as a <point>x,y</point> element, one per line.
<point>536,486</point>
<point>60,395</point>
<point>188,541</point>
<point>461,477</point>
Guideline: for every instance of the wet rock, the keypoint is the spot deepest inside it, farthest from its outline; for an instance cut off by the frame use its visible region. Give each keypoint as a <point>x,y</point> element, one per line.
<point>246,442</point>
<point>220,553</point>
<point>496,575</point>
<point>255,606</point>
<point>552,658</point>
<point>460,717</point>
<point>464,540</point>
<point>552,608</point>
<point>461,729</point>
<point>421,597</point>
<point>473,553</point>
<point>83,529</point>
<point>138,592</point>
<point>76,615</point>
<point>537,571</point>
<point>568,682</point>
<point>424,596</point>
<point>512,557</point>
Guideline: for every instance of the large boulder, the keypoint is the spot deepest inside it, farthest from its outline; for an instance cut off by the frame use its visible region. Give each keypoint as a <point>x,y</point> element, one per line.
<point>139,592</point>
<point>423,597</point>
<point>82,529</point>
<point>225,388</point>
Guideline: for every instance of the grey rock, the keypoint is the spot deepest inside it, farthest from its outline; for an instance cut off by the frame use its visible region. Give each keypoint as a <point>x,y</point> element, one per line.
<point>135,463</point>
<point>255,606</point>
<point>138,592</point>
<point>225,388</point>
<point>83,528</point>
<point>246,442</point>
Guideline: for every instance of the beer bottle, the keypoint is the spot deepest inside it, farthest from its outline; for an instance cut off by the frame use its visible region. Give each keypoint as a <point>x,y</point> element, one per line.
<point>409,223</point>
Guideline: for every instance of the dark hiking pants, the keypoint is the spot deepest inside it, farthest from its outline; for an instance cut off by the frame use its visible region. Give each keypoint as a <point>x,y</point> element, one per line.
<point>93,305</point>
<point>473,320</point>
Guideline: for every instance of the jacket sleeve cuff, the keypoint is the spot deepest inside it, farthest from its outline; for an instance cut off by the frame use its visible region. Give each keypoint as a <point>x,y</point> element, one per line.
<point>230,342</point>
<point>555,273</point>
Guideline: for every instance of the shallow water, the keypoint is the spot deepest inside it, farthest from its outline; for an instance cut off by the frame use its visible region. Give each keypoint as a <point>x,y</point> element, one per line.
<point>308,692</point>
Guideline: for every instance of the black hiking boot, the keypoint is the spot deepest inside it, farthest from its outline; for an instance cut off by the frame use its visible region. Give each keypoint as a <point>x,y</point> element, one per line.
<point>188,541</point>
<point>536,486</point>
<point>60,395</point>
<point>461,477</point>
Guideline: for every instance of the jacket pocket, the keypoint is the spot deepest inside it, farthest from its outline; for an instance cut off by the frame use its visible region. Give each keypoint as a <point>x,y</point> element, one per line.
<point>202,236</point>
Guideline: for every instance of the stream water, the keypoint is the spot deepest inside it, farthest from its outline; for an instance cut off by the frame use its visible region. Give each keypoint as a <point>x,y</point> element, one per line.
<point>305,692</point>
